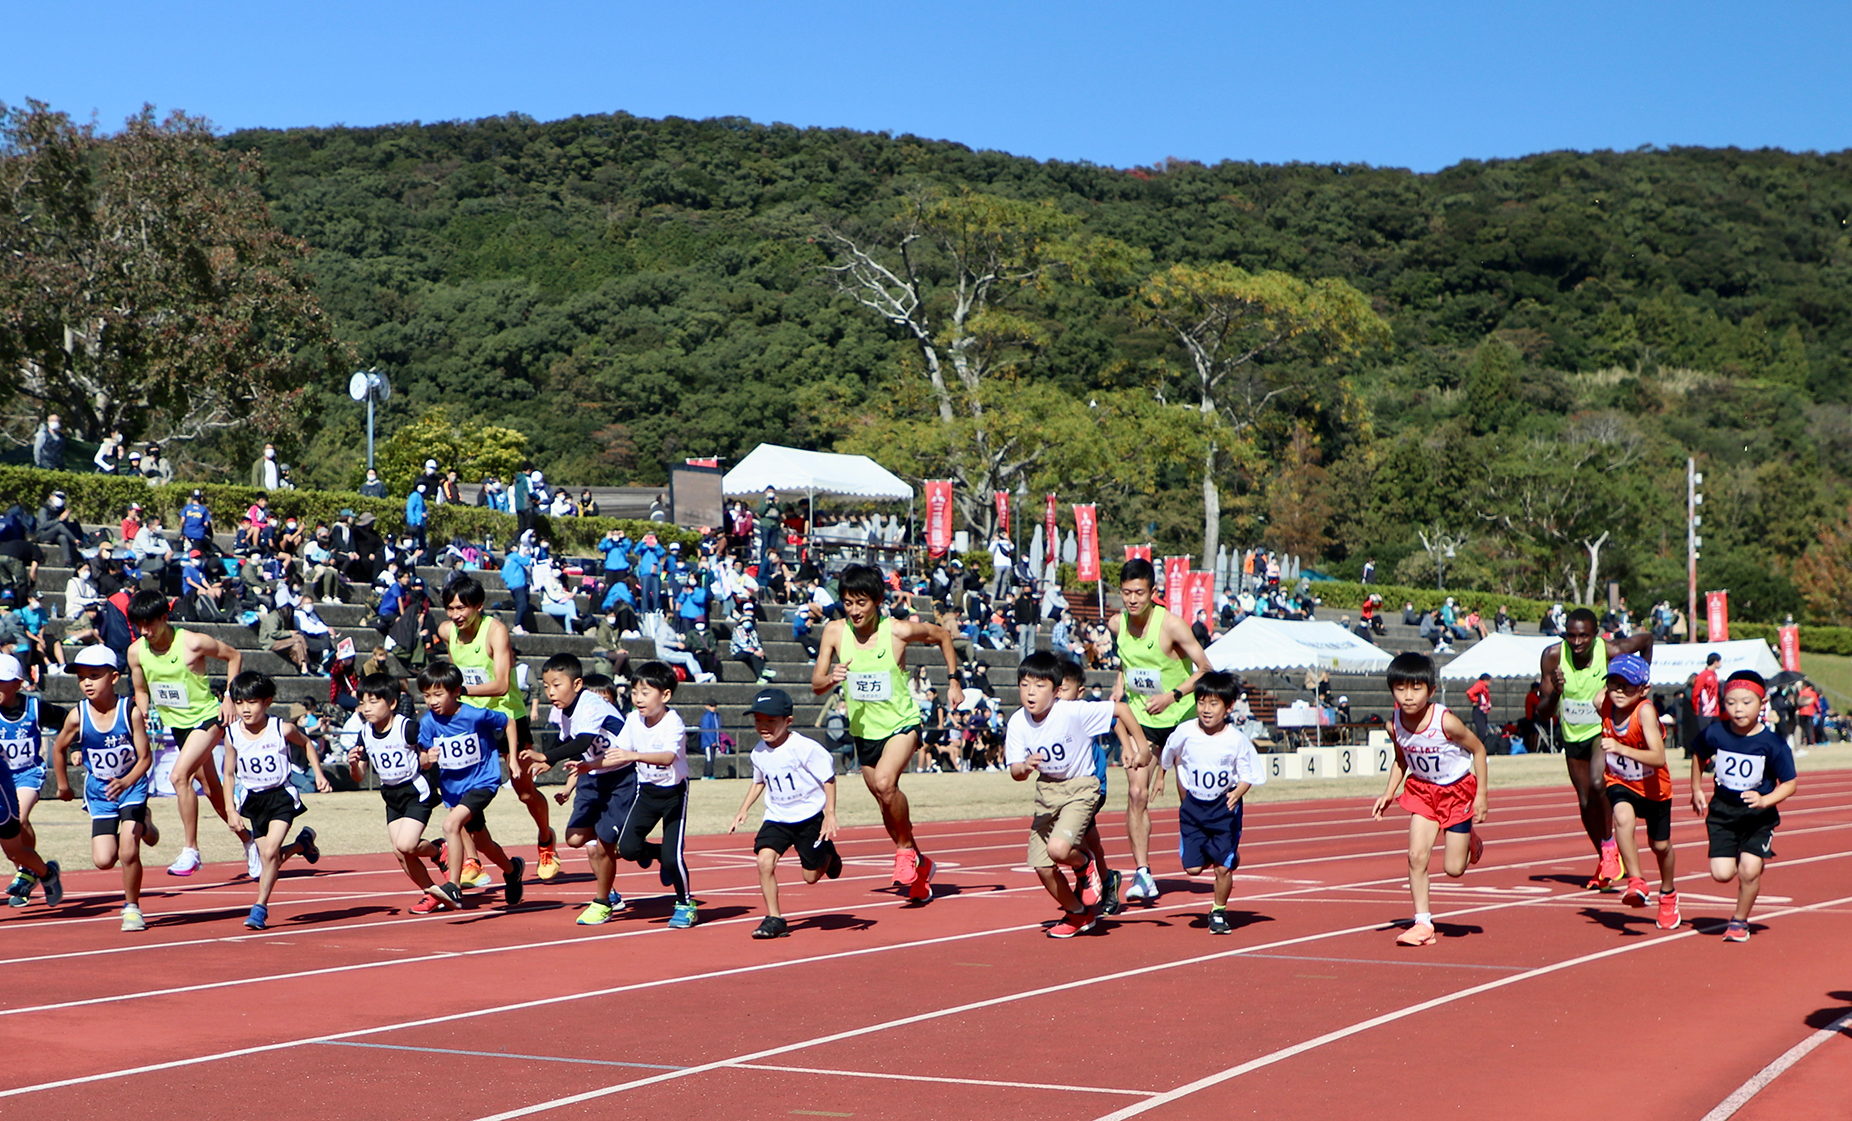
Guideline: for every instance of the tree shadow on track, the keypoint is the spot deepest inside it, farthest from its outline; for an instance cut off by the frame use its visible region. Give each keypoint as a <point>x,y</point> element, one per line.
<point>1628,924</point>
<point>1827,1017</point>
<point>833,922</point>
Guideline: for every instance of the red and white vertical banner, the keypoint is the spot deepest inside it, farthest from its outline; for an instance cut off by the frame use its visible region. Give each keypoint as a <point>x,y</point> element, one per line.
<point>1201,597</point>
<point>1717,614</point>
<point>1087,528</point>
<point>1176,584</point>
<point>1791,648</point>
<point>938,516</point>
<point>1050,529</point>
<point>1003,513</point>
<point>1138,552</point>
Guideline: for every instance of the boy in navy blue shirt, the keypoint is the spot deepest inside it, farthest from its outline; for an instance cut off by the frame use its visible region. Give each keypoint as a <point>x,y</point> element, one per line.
<point>464,741</point>
<point>1754,774</point>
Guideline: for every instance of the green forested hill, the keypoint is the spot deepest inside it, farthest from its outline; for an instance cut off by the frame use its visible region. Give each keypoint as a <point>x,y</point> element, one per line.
<point>1568,327</point>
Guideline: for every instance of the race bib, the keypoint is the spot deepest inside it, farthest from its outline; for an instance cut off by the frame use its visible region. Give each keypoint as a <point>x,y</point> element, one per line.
<point>1623,767</point>
<point>454,753</point>
<point>260,771</point>
<point>782,789</point>
<point>110,762</point>
<point>21,754</point>
<point>1423,766</point>
<point>473,675</point>
<point>169,694</point>
<point>1740,772</point>
<point>870,685</point>
<point>1146,681</point>
<point>395,764</point>
<point>1579,712</point>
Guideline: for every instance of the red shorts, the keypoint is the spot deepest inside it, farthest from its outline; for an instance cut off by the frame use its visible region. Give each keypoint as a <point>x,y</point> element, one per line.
<point>1449,805</point>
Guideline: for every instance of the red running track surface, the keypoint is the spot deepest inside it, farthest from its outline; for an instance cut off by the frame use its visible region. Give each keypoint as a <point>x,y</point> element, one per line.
<point>1542,1000</point>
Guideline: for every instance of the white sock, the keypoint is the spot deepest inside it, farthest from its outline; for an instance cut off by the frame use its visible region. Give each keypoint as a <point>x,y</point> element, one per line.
<point>1425,917</point>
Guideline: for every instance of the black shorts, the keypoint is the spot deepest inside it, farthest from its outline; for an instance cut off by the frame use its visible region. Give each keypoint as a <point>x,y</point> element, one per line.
<point>406,800</point>
<point>1576,749</point>
<point>180,734</point>
<point>106,826</point>
<point>1656,815</point>
<point>813,852</point>
<point>1158,737</point>
<point>261,807</point>
<point>475,801</point>
<point>1736,829</point>
<point>868,752</point>
<point>601,802</point>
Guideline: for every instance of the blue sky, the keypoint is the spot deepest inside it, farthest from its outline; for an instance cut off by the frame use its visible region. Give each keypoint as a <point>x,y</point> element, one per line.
<point>1420,84</point>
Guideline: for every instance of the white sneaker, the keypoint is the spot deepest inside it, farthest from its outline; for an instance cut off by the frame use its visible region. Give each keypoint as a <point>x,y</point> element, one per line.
<point>519,630</point>
<point>253,863</point>
<point>131,918</point>
<point>185,864</point>
<point>704,678</point>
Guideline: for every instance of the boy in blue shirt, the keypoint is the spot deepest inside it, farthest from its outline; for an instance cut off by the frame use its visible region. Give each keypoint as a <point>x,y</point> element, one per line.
<point>113,735</point>
<point>464,742</point>
<point>1754,774</point>
<point>649,557</point>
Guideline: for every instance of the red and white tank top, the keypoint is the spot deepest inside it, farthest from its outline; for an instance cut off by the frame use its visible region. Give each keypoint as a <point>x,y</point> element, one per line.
<point>1428,753</point>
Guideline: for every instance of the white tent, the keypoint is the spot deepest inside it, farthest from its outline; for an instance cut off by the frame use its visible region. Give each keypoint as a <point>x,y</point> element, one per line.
<point>1257,644</point>
<point>1672,664</point>
<point>1501,655</point>
<point>798,471</point>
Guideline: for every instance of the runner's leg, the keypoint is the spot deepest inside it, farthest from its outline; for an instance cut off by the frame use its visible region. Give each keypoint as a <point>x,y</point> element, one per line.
<point>1138,812</point>
<point>1592,801</point>
<point>883,780</point>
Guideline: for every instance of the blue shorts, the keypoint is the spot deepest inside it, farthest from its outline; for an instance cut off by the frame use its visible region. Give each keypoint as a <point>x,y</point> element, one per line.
<point>1209,833</point>
<point>102,808</point>
<point>601,802</point>
<point>31,779</point>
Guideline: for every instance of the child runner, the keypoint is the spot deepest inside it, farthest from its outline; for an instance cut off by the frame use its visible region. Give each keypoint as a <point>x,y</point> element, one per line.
<point>1073,680</point>
<point>798,777</point>
<point>1446,789</point>
<point>1160,662</point>
<point>1754,774</point>
<point>463,741</point>
<point>389,744</point>
<point>866,655</point>
<point>257,768</point>
<point>24,720</point>
<point>1216,766</point>
<point>168,668</point>
<point>655,739</point>
<point>1053,740</point>
<point>113,734</point>
<point>603,793</point>
<point>479,646</point>
<point>1639,785</point>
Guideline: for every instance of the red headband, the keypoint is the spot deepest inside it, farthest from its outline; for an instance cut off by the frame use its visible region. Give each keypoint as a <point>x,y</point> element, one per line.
<point>1744,683</point>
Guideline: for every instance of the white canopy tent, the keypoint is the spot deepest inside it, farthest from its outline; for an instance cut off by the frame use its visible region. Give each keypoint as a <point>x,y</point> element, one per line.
<point>1672,664</point>
<point>812,473</point>
<point>1257,644</point>
<point>1501,655</point>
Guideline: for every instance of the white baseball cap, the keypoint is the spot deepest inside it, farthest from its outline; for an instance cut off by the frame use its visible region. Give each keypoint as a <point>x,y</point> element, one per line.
<point>97,655</point>
<point>430,465</point>
<point>10,669</point>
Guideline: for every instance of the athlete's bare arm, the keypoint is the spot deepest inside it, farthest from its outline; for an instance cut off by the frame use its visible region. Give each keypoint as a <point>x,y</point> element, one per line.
<point>1456,730</point>
<point>137,682</point>
<point>501,662</point>
<point>824,676</point>
<point>67,735</point>
<point>200,647</point>
<point>932,634</point>
<point>1177,641</point>
<point>1640,642</point>
<point>1115,627</point>
<point>1549,682</point>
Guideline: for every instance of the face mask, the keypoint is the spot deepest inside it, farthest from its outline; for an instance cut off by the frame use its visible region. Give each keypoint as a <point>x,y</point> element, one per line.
<point>270,453</point>
<point>54,426</point>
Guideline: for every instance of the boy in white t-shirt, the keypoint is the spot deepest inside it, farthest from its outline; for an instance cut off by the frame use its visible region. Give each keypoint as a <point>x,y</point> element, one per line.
<point>1216,765</point>
<point>603,793</point>
<point>656,740</point>
<point>1053,740</point>
<point>798,778</point>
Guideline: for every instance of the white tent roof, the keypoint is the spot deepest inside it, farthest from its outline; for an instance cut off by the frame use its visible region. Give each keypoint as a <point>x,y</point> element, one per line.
<point>1501,655</point>
<point>1672,664</point>
<point>796,471</point>
<point>1257,644</point>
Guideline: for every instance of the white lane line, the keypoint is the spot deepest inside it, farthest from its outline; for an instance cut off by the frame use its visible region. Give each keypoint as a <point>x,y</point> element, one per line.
<point>1741,1095</point>
<point>953,1081</point>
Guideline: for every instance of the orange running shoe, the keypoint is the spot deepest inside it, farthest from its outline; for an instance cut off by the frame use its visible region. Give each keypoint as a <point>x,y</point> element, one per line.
<point>1668,911</point>
<point>906,865</point>
<point>474,876</point>
<point>921,891</point>
<point>1420,934</point>
<point>548,866</point>
<point>1610,868</point>
<point>1635,895</point>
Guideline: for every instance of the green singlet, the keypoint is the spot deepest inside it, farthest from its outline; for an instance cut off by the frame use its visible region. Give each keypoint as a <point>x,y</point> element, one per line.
<point>1582,688</point>
<point>1148,672</point>
<point>876,688</point>
<point>479,669</point>
<point>181,697</point>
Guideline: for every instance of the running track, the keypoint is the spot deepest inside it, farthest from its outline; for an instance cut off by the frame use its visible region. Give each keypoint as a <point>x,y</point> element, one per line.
<point>1541,1001</point>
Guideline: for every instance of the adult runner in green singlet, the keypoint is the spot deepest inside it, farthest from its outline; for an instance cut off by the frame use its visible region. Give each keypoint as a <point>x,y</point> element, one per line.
<point>168,668</point>
<point>869,655</point>
<point>1571,689</point>
<point>479,645</point>
<point>1160,661</point>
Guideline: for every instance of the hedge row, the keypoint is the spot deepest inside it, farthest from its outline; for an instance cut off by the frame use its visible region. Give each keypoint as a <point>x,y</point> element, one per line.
<point>104,499</point>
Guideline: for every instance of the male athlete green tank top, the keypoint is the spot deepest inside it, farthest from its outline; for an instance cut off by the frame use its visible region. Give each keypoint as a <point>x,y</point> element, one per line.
<point>1582,693</point>
<point>1148,672</point>
<point>876,688</point>
<point>182,697</point>
<point>479,669</point>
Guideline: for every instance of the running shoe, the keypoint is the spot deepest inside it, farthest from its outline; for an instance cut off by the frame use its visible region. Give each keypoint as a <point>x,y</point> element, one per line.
<point>1737,931</point>
<point>442,859</point>
<point>548,866</point>
<point>1475,848</point>
<point>1109,898</point>
<point>426,904</point>
<point>1610,869</point>
<point>513,889</point>
<point>306,838</point>
<point>1144,888</point>
<point>474,876</point>
<point>1668,910</point>
<point>1420,934</point>
<point>921,891</point>
<point>253,860</point>
<point>448,896</point>
<point>131,918</point>
<point>684,916</point>
<point>617,903</point>
<point>185,864</point>
<point>906,863</point>
<point>1088,883</point>
<point>1635,895</point>
<point>595,914</point>
<point>771,926</point>
<point>833,869</point>
<point>1218,922</point>
<point>53,884</point>
<point>19,892</point>
<point>1072,924</point>
<point>259,918</point>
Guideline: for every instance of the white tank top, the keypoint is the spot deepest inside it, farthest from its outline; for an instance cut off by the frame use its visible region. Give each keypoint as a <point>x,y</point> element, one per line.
<point>263,759</point>
<point>1430,755</point>
<point>393,756</point>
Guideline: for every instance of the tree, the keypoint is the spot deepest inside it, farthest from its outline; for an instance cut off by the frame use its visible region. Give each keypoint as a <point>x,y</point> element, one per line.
<point>476,450</point>
<point>142,284</point>
<point>1824,574</point>
<point>1226,318</point>
<point>1299,508</point>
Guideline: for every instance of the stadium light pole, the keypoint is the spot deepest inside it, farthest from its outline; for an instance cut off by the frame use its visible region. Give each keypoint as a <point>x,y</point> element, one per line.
<point>1693,542</point>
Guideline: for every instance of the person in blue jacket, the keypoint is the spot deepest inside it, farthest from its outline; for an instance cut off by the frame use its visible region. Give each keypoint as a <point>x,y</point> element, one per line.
<point>648,557</point>
<point>514,575</point>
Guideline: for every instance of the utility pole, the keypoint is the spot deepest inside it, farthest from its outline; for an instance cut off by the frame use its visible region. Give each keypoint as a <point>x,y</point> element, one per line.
<point>1693,520</point>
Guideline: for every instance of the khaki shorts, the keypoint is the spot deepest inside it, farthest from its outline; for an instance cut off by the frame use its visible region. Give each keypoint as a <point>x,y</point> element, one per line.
<point>1062,809</point>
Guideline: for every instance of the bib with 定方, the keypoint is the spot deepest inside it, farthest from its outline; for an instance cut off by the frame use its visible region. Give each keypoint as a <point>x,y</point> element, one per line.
<point>876,686</point>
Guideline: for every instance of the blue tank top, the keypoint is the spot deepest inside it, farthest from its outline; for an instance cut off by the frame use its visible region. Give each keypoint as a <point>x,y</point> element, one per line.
<point>22,740</point>
<point>108,753</point>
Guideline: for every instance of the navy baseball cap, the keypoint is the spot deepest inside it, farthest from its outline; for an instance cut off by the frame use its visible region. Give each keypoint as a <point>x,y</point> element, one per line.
<point>771,702</point>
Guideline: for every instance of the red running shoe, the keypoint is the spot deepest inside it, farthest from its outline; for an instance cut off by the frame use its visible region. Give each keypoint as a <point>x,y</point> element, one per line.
<point>1635,895</point>
<point>1668,911</point>
<point>1089,884</point>
<point>1610,869</point>
<point>906,865</point>
<point>921,891</point>
<point>1072,924</point>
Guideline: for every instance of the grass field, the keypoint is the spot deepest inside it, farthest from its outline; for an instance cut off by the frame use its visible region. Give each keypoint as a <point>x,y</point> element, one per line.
<point>1833,673</point>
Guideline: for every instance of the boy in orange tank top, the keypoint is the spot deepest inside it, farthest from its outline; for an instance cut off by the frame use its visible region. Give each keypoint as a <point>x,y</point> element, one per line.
<point>1638,782</point>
